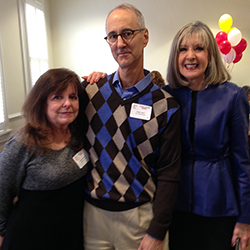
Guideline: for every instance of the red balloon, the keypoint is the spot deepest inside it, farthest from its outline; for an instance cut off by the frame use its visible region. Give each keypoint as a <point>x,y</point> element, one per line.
<point>237,58</point>
<point>241,46</point>
<point>225,47</point>
<point>220,37</point>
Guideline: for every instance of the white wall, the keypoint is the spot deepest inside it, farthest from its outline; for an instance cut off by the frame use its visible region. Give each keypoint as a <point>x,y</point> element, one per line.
<point>78,28</point>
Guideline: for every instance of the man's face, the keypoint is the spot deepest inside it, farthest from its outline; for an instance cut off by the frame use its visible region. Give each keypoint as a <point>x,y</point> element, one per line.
<point>127,54</point>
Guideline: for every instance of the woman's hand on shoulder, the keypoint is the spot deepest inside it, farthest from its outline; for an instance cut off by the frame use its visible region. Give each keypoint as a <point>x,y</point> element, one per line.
<point>95,76</point>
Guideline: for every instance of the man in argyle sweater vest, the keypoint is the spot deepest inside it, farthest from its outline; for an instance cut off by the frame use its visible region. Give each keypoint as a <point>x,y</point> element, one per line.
<point>134,146</point>
<point>130,156</point>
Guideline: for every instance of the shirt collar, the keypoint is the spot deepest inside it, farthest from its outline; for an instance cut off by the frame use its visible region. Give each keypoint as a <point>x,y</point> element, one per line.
<point>141,85</point>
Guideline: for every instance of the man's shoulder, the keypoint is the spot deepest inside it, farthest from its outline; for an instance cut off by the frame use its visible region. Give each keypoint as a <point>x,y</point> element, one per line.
<point>163,94</point>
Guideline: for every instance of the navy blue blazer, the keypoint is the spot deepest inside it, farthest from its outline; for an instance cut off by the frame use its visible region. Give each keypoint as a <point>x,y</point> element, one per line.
<point>215,170</point>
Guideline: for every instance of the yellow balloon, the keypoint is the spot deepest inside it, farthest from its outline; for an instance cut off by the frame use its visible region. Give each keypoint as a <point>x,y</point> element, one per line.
<point>225,22</point>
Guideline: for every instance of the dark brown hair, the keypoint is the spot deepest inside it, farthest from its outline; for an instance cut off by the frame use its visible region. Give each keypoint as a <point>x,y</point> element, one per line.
<point>37,127</point>
<point>157,78</point>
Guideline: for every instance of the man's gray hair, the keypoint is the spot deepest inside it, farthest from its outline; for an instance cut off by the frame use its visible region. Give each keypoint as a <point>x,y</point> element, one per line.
<point>140,17</point>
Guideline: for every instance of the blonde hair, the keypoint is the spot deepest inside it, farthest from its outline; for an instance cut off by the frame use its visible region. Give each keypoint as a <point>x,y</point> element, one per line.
<point>215,72</point>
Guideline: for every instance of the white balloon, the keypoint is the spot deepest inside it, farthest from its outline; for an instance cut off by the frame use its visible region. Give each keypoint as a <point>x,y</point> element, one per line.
<point>234,36</point>
<point>229,57</point>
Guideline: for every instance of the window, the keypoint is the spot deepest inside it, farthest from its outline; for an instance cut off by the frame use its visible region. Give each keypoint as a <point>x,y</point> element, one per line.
<point>34,40</point>
<point>3,113</point>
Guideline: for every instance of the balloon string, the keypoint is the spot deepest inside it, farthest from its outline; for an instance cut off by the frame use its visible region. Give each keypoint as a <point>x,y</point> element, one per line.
<point>229,66</point>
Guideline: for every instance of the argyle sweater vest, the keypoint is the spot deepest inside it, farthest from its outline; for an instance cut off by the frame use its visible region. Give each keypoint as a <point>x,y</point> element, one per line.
<point>124,150</point>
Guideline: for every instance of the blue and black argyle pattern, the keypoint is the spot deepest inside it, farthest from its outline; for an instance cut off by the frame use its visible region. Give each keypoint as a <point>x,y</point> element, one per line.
<point>124,150</point>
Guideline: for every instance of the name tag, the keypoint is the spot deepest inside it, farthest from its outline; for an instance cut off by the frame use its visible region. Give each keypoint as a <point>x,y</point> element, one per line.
<point>81,158</point>
<point>140,111</point>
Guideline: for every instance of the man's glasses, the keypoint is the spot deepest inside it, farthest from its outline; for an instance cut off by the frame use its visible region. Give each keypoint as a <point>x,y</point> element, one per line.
<point>126,35</point>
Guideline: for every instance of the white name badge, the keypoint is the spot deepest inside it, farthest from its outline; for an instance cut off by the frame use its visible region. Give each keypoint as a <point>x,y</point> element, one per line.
<point>140,111</point>
<point>81,158</point>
